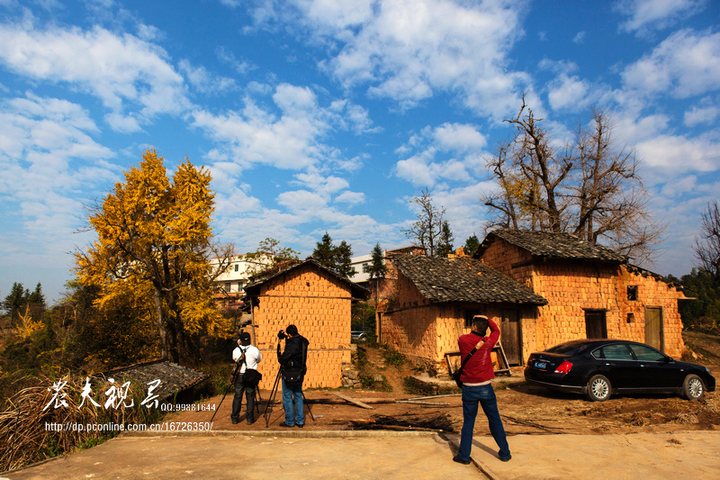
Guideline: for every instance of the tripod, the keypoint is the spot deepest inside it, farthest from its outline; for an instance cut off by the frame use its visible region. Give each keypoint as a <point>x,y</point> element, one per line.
<point>232,384</point>
<point>273,392</point>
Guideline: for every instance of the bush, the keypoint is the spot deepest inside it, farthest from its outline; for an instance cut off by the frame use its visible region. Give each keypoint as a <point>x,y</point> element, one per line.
<point>369,382</point>
<point>393,357</point>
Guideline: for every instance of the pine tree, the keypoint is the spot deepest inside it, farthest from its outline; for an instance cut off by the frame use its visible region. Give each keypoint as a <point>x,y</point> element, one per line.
<point>445,245</point>
<point>471,245</point>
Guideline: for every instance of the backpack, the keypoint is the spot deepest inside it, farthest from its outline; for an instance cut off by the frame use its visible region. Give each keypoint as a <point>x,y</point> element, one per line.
<point>293,372</point>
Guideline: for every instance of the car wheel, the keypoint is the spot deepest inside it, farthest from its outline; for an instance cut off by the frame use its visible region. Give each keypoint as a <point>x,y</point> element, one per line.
<point>598,388</point>
<point>693,387</point>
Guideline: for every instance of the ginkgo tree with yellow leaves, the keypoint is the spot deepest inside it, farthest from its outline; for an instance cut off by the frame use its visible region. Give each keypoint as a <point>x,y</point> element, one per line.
<point>154,240</point>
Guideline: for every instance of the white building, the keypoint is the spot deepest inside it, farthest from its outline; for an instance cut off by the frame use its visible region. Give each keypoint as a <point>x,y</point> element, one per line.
<point>233,280</point>
<point>357,263</point>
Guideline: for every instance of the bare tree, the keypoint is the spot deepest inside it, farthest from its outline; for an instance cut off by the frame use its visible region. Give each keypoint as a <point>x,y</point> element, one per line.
<point>427,229</point>
<point>531,175</point>
<point>707,248</point>
<point>591,188</point>
<point>609,199</point>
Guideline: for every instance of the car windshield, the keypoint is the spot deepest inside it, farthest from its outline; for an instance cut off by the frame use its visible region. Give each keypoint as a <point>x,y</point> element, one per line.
<point>568,348</point>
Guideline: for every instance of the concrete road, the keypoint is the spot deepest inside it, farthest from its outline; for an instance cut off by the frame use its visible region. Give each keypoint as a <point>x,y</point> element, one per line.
<point>275,455</point>
<point>408,455</point>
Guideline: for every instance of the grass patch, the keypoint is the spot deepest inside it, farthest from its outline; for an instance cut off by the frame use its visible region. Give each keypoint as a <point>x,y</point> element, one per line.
<point>392,357</point>
<point>369,382</point>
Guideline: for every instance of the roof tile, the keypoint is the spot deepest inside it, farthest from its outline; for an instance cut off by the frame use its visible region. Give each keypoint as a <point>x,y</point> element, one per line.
<point>462,279</point>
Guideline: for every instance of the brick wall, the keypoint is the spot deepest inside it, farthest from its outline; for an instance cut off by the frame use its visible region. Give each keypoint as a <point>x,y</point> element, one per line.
<point>319,305</point>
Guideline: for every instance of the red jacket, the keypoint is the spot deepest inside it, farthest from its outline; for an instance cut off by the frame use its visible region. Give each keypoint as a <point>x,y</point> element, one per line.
<point>479,368</point>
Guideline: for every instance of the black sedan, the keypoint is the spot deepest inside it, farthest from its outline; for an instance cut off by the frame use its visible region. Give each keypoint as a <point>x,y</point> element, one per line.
<point>600,368</point>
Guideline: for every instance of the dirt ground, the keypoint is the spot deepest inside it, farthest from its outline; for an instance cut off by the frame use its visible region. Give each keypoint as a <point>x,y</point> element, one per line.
<point>525,409</point>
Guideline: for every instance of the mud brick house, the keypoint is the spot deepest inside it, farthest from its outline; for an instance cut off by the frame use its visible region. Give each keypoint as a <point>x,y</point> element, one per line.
<point>591,290</point>
<point>579,290</point>
<point>435,301</point>
<point>316,300</point>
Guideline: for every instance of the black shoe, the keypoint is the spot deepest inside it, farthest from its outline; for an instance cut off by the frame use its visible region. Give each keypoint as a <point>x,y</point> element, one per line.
<point>235,421</point>
<point>250,421</point>
<point>457,459</point>
<point>505,459</point>
<point>283,424</point>
<point>300,425</point>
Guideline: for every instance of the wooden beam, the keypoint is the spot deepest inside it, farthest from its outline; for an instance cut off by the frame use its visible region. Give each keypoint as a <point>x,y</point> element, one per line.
<point>353,401</point>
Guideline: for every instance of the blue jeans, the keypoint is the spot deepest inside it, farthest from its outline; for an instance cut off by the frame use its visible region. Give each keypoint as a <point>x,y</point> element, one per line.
<point>485,396</point>
<point>293,394</point>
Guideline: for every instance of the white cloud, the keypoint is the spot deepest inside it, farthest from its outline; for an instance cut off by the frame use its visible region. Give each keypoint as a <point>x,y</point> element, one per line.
<point>286,134</point>
<point>351,198</point>
<point>299,201</point>
<point>125,72</point>
<point>705,113</point>
<point>459,137</point>
<point>49,160</point>
<point>256,136</point>
<point>205,82</point>
<point>447,140</point>
<point>407,49</point>
<point>422,169</point>
<point>686,64</point>
<point>679,186</point>
<point>569,92</point>
<point>579,37</point>
<point>324,186</point>
<point>680,154</point>
<point>227,56</point>
<point>646,15</point>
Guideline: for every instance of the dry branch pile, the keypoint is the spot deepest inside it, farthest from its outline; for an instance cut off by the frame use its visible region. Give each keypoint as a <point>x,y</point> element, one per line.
<point>32,429</point>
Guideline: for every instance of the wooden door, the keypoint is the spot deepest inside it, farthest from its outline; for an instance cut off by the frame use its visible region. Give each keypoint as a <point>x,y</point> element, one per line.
<point>510,336</point>
<point>595,324</point>
<point>654,328</point>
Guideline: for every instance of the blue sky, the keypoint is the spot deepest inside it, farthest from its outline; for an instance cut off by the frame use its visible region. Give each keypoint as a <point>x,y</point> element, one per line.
<point>322,115</point>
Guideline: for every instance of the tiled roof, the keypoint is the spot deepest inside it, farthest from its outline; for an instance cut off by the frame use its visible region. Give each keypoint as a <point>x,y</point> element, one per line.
<point>174,378</point>
<point>356,290</point>
<point>462,279</point>
<point>553,246</point>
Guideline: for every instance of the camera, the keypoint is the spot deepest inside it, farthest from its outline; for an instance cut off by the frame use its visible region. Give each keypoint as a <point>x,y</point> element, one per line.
<point>281,335</point>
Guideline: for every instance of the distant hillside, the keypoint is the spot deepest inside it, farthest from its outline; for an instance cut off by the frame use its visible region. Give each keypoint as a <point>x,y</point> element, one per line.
<point>704,348</point>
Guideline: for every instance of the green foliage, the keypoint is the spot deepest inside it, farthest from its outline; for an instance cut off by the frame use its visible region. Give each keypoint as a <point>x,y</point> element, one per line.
<point>392,357</point>
<point>363,317</point>
<point>703,313</point>
<point>471,245</point>
<point>269,258</point>
<point>369,382</point>
<point>360,359</point>
<point>21,302</point>
<point>336,258</point>
<point>377,268</point>
<point>445,245</point>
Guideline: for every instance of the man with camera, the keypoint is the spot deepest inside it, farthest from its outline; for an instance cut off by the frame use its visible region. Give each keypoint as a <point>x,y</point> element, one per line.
<point>247,357</point>
<point>293,362</point>
<point>477,371</point>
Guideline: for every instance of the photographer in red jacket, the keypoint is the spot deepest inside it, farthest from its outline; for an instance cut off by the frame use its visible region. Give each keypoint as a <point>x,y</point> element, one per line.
<point>476,376</point>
